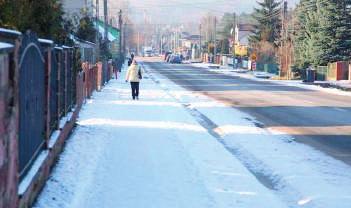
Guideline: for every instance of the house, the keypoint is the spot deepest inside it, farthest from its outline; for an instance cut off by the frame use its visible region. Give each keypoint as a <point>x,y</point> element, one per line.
<point>242,34</point>
<point>190,45</point>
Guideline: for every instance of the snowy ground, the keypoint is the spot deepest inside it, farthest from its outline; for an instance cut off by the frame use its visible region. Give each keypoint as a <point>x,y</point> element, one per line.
<point>264,77</point>
<point>175,148</point>
<point>298,174</point>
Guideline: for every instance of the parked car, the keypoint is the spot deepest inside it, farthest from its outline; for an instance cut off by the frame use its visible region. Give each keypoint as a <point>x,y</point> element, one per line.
<point>175,59</point>
<point>168,58</point>
<point>167,54</point>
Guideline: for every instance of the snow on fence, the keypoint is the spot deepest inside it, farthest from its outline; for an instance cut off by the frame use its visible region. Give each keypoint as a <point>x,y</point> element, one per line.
<point>42,89</point>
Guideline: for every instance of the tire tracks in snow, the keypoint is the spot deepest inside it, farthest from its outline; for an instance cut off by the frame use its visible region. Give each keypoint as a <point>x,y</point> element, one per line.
<point>262,172</point>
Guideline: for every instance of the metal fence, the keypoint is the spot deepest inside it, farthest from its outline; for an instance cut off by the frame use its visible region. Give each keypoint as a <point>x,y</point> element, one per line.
<point>54,90</point>
<point>31,101</point>
<point>68,56</point>
<point>50,82</point>
<point>62,83</point>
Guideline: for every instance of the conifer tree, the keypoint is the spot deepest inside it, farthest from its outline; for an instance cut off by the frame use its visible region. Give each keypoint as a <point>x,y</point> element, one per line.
<point>335,30</point>
<point>306,33</point>
<point>268,22</point>
<point>323,32</point>
<point>86,30</point>
<point>45,17</point>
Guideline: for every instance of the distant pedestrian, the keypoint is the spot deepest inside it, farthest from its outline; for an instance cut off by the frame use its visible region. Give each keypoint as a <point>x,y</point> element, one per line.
<point>130,60</point>
<point>134,75</point>
<point>115,70</point>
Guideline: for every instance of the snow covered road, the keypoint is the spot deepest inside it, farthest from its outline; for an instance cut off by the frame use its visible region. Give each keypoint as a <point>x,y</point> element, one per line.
<point>177,148</point>
<point>148,153</point>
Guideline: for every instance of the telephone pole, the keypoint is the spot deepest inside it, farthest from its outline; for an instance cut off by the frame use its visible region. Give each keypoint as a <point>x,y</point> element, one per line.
<point>120,23</point>
<point>97,40</point>
<point>124,38</point>
<point>106,20</point>
<point>215,41</point>
<point>234,39</point>
<point>284,68</point>
<point>200,47</point>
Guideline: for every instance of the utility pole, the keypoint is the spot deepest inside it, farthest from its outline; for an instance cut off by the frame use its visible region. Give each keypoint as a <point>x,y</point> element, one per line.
<point>97,40</point>
<point>106,20</point>
<point>284,68</point>
<point>215,41</point>
<point>120,23</point>
<point>124,38</point>
<point>286,38</point>
<point>176,39</point>
<point>138,42</point>
<point>161,44</point>
<point>200,48</point>
<point>234,38</point>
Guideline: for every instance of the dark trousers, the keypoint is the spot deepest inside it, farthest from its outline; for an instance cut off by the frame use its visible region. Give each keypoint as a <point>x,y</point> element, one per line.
<point>135,89</point>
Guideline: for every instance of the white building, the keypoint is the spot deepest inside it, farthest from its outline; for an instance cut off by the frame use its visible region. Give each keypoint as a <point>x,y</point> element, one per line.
<point>242,34</point>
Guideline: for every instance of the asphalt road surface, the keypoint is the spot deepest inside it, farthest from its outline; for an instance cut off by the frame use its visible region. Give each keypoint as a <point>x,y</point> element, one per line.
<point>319,119</point>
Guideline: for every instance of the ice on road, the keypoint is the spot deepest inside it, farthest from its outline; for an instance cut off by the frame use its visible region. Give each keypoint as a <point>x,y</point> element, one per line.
<point>148,153</point>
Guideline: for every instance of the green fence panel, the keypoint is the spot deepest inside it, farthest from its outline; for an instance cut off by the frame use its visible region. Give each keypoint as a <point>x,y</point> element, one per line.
<point>322,73</point>
<point>259,66</point>
<point>271,68</point>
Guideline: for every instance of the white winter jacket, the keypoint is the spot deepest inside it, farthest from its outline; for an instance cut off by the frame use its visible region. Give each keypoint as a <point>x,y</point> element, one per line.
<point>132,73</point>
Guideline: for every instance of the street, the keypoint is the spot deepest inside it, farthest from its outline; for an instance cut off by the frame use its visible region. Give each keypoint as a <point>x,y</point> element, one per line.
<point>175,104</point>
<point>319,119</point>
<point>202,139</point>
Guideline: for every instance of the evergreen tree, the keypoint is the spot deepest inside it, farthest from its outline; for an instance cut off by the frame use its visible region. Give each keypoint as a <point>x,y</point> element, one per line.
<point>335,30</point>
<point>224,44</point>
<point>86,30</point>
<point>268,22</point>
<point>323,32</point>
<point>226,24</point>
<point>45,17</point>
<point>307,33</point>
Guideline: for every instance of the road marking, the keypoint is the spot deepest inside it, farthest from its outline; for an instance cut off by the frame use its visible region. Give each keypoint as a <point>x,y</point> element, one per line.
<point>315,130</point>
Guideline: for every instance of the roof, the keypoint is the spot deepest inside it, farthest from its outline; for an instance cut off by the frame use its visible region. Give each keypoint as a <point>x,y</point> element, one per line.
<point>246,27</point>
<point>192,37</point>
<point>244,37</point>
<point>113,33</point>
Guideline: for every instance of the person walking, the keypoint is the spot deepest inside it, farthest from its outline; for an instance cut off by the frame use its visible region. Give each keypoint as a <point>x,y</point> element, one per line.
<point>134,75</point>
<point>130,60</point>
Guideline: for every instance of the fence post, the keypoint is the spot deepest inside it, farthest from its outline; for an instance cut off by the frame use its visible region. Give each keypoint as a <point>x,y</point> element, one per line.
<point>47,46</point>
<point>9,124</point>
<point>100,77</point>
<point>8,153</point>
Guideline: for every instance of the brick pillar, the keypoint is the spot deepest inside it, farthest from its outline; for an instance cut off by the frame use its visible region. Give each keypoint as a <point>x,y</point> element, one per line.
<point>99,77</point>
<point>8,128</point>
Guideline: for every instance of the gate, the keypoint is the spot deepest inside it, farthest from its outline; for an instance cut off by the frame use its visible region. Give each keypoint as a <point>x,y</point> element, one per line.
<point>31,101</point>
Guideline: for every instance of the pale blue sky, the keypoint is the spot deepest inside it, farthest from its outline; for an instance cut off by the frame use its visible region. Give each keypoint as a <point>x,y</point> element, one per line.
<point>183,10</point>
